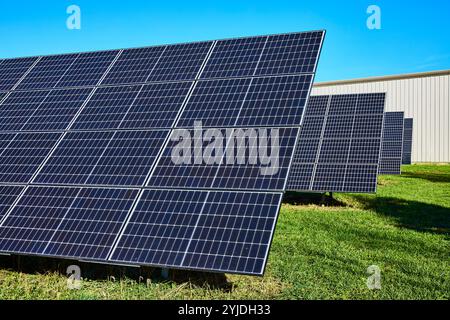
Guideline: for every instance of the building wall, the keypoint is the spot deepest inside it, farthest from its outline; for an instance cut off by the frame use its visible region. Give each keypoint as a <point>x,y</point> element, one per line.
<point>424,97</point>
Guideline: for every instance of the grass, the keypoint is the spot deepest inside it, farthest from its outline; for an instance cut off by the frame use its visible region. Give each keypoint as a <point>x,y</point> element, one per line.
<point>318,252</point>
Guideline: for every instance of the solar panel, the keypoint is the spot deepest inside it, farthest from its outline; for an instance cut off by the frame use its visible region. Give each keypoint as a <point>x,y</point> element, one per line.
<point>23,155</point>
<point>392,144</point>
<point>202,230</point>
<point>407,141</point>
<point>133,107</point>
<point>12,70</point>
<point>339,145</point>
<point>225,171</point>
<point>41,110</point>
<point>8,194</point>
<point>66,222</point>
<point>103,158</point>
<point>87,143</point>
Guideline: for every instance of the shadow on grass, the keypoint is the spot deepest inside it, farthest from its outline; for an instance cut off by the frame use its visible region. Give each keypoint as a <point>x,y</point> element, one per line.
<point>409,214</point>
<point>298,198</point>
<point>432,177</point>
<point>94,271</point>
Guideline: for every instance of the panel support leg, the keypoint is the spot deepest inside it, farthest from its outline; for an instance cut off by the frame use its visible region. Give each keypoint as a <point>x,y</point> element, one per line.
<point>165,274</point>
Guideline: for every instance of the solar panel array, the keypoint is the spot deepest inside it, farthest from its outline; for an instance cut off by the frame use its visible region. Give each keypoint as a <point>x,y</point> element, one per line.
<point>86,144</point>
<point>339,145</point>
<point>392,145</point>
<point>407,140</point>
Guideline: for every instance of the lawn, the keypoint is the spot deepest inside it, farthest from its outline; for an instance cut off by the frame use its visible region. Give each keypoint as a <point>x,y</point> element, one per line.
<point>320,251</point>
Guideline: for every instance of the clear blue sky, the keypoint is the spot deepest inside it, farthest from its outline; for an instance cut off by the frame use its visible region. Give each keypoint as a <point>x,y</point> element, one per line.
<point>414,35</point>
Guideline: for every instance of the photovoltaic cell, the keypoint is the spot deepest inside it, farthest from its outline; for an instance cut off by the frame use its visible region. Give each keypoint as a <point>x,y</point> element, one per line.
<point>41,110</point>
<point>290,53</point>
<point>217,231</point>
<point>47,72</point>
<point>180,62</point>
<point>407,141</point>
<point>92,223</point>
<point>133,107</point>
<point>66,222</point>
<point>23,155</point>
<point>103,158</point>
<point>87,69</point>
<point>134,65</point>
<point>234,58</point>
<point>8,194</point>
<point>392,143</point>
<point>156,106</point>
<point>226,168</point>
<point>275,101</point>
<point>215,103</point>
<point>11,70</point>
<point>339,145</point>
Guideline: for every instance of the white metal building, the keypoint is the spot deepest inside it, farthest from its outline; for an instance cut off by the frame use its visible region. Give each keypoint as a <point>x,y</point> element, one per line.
<point>422,96</point>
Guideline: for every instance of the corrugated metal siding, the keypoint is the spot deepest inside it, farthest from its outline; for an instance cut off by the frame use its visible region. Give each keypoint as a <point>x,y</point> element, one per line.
<point>426,99</point>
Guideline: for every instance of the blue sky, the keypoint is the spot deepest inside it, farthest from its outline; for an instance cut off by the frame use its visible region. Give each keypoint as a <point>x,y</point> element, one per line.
<point>414,35</point>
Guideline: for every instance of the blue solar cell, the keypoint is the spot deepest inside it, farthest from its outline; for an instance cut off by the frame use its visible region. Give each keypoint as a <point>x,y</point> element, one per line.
<point>361,178</point>
<point>306,150</point>
<point>91,224</point>
<point>16,110</point>
<point>217,231</point>
<point>75,157</point>
<point>407,141</point>
<point>334,151</point>
<point>8,194</point>
<point>290,53</point>
<point>32,222</point>
<point>11,70</point>
<point>106,108</point>
<point>160,227</point>
<point>329,177</point>
<point>128,158</point>
<point>87,69</point>
<point>24,154</point>
<point>180,62</point>
<point>103,158</point>
<point>317,106</point>
<point>47,72</point>
<point>67,222</point>
<point>233,232</point>
<point>392,143</point>
<point>234,58</point>
<point>237,160</point>
<point>275,101</point>
<point>57,110</point>
<point>371,103</point>
<point>343,105</point>
<point>339,126</point>
<point>312,127</point>
<point>364,151</point>
<point>134,65</point>
<point>300,177</point>
<point>215,103</point>
<point>156,106</point>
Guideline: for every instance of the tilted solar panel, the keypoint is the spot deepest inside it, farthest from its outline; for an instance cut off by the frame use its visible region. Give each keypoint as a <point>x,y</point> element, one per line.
<point>12,70</point>
<point>339,145</point>
<point>94,138</point>
<point>407,141</point>
<point>392,144</point>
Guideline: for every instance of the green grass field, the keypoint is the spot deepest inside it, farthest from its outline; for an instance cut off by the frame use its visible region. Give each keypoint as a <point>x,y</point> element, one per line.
<point>319,252</point>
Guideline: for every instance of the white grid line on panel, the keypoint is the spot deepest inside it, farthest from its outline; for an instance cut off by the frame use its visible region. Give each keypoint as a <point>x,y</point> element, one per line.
<point>319,147</point>
<point>26,73</point>
<point>350,143</point>
<point>111,65</point>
